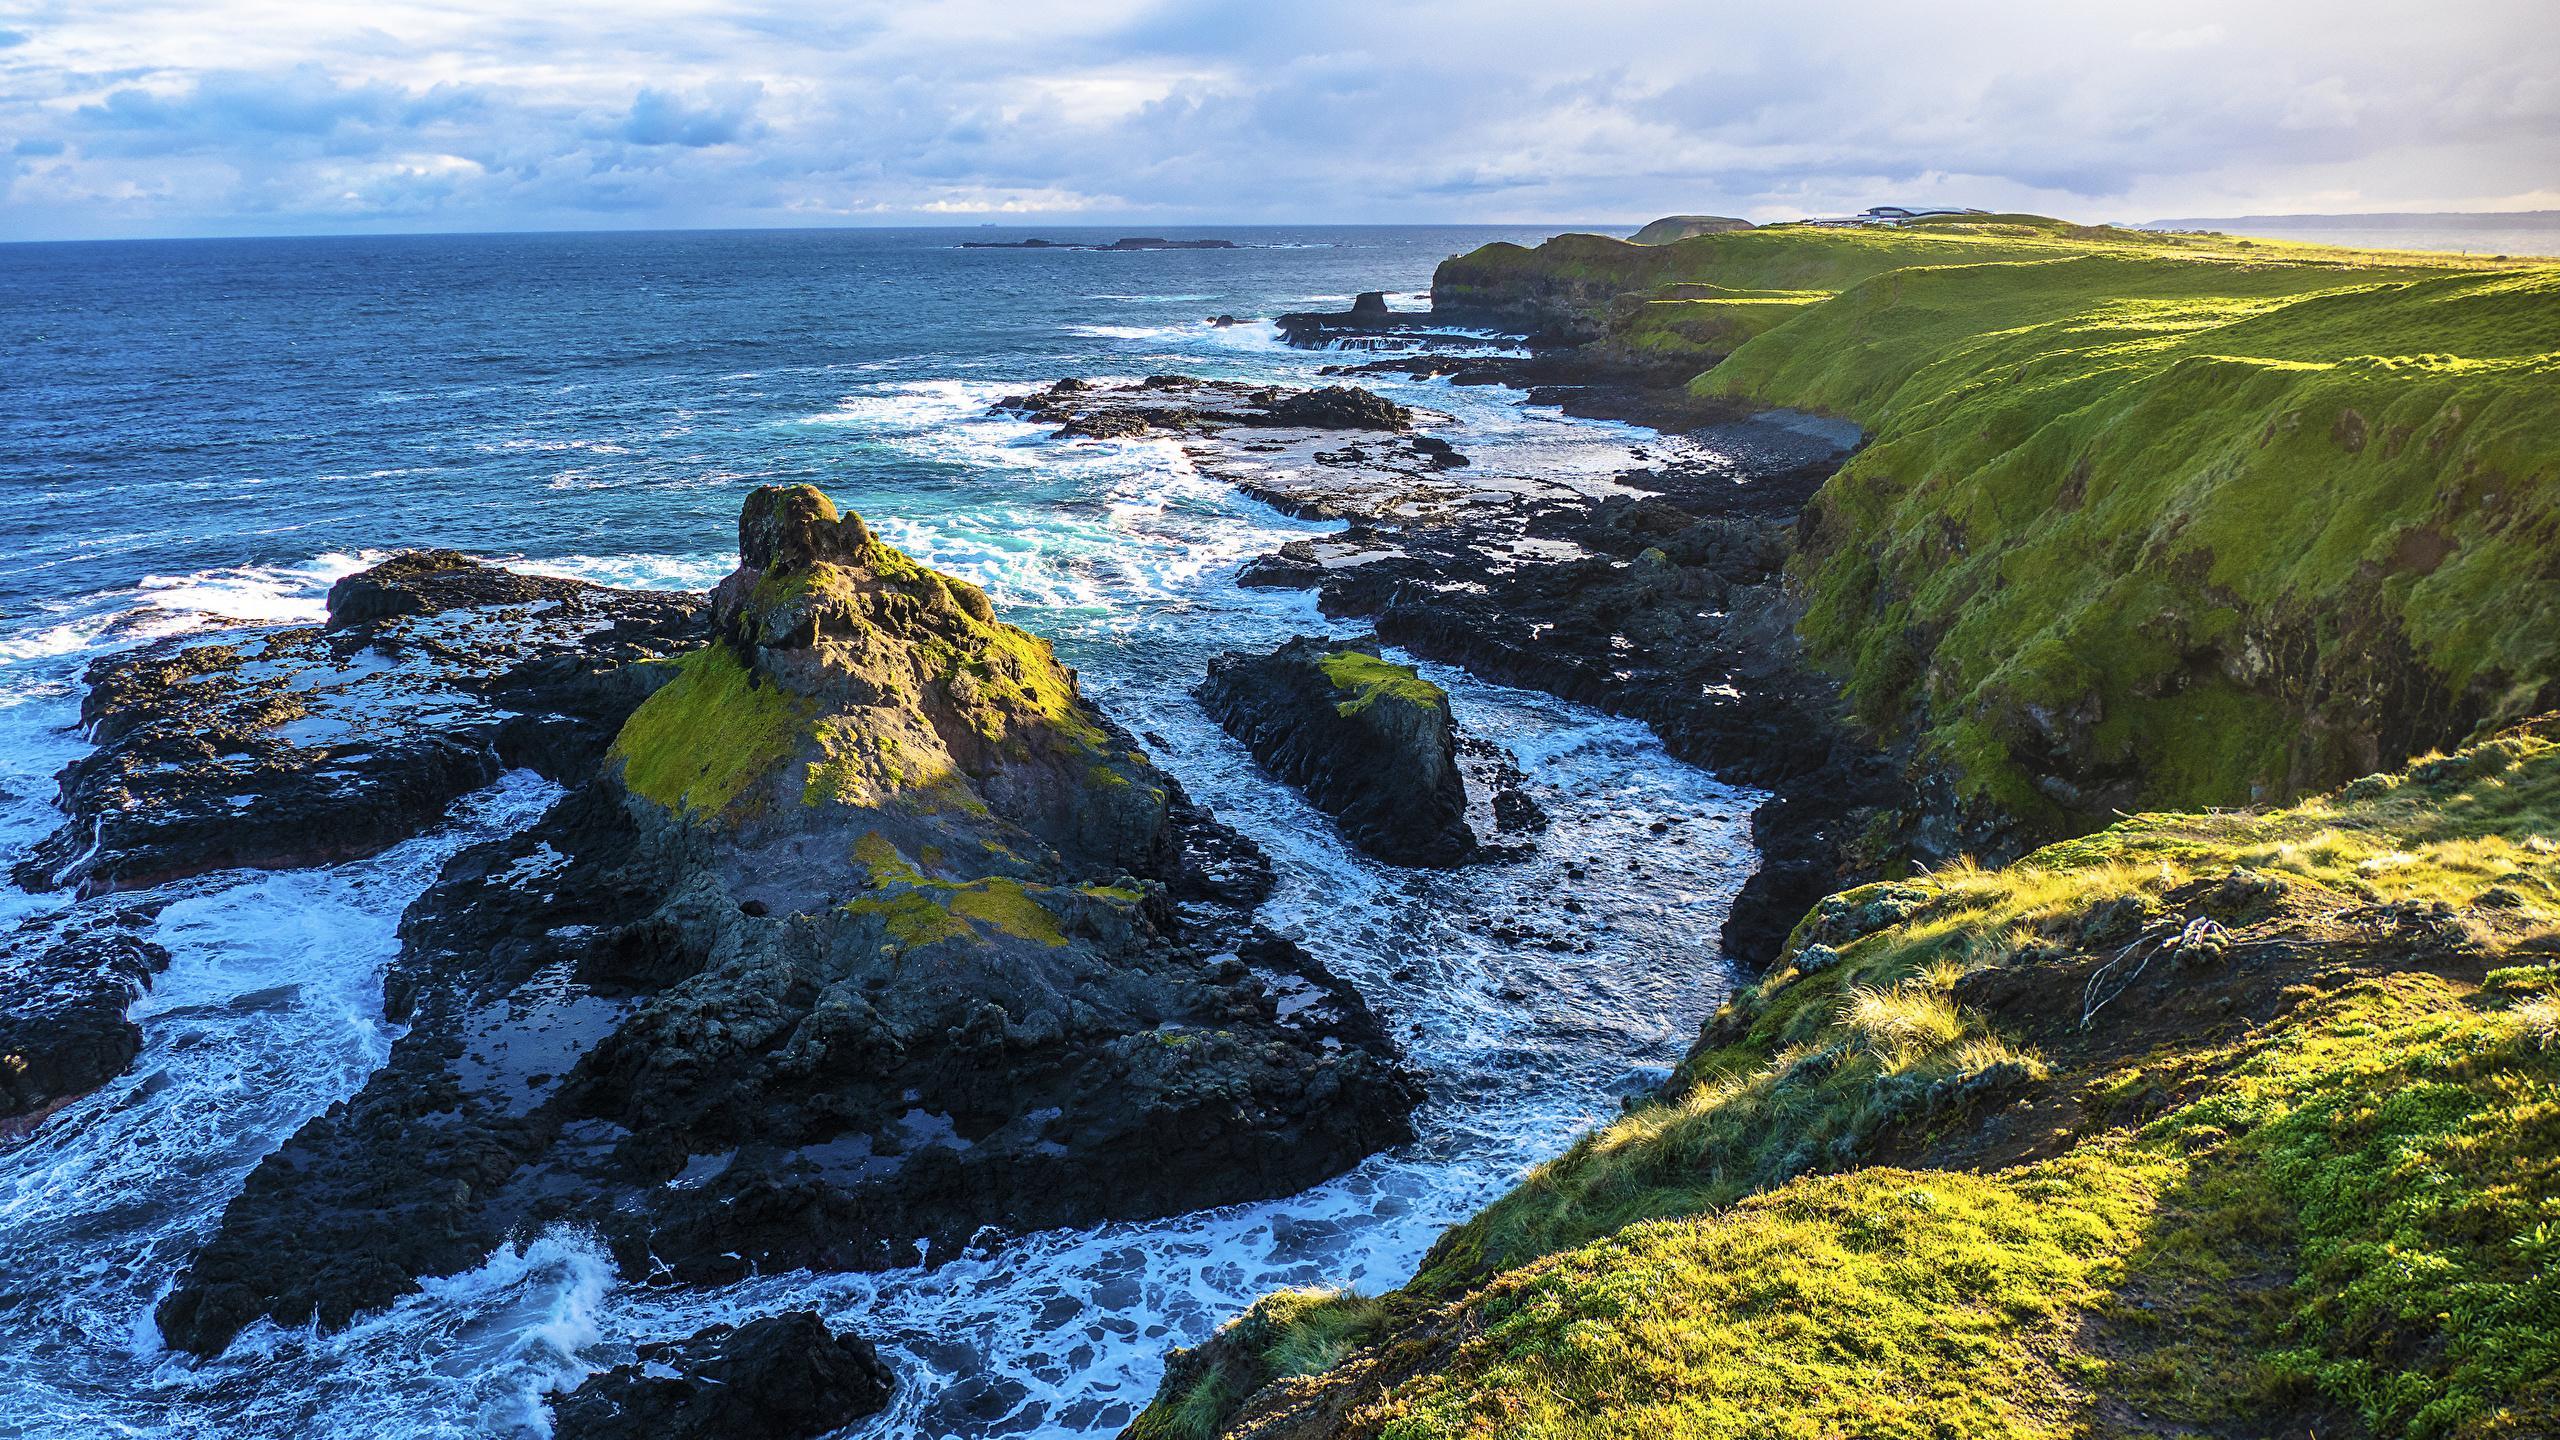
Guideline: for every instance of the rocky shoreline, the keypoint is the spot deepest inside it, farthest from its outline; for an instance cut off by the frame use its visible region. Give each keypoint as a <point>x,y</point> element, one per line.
<point>1658,595</point>
<point>863,940</point>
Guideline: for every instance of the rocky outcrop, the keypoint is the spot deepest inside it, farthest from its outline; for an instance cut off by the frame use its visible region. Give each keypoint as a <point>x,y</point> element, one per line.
<point>1668,606</point>
<point>63,997</point>
<point>1370,742</point>
<point>870,939</point>
<point>785,1377</point>
<point>296,745</point>
<point>1339,407</point>
<point>425,582</point>
<point>299,745</point>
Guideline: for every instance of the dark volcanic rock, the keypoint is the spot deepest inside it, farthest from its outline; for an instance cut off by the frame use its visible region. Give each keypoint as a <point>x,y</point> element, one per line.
<point>1370,742</point>
<point>423,582</point>
<point>63,998</point>
<point>785,1377</point>
<point>875,936</point>
<point>1339,407</point>
<point>1632,389</point>
<point>1669,607</point>
<point>295,745</point>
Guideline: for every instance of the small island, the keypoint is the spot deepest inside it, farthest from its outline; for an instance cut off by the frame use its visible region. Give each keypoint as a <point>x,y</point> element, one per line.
<point>1125,242</point>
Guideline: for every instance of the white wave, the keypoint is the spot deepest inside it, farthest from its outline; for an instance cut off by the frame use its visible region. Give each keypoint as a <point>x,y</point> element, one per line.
<point>264,594</point>
<point>167,604</point>
<point>270,1010</point>
<point>914,404</point>
<point>635,570</point>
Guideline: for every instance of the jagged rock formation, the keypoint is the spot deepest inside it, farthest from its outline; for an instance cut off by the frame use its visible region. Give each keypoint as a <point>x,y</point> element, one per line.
<point>784,1377</point>
<point>63,997</point>
<point>869,935</point>
<point>1370,742</point>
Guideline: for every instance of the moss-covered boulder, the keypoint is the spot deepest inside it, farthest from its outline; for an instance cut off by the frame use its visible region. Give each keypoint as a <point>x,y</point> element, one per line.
<point>1370,741</point>
<point>851,679</point>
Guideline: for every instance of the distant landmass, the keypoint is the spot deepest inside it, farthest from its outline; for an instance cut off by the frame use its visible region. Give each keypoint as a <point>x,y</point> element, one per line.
<point>2510,232</point>
<point>1681,227</point>
<point>2394,219</point>
<point>1126,242</point>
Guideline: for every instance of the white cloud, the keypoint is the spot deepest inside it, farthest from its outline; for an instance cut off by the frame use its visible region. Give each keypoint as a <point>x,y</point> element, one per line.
<point>162,116</point>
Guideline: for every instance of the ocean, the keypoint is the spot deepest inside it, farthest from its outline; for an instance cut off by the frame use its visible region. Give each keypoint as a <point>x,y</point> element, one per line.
<point>196,433</point>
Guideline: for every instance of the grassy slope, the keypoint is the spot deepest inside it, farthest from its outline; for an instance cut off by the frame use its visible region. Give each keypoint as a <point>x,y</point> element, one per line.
<point>2247,529</point>
<point>2146,520</point>
<point>2297,1166</point>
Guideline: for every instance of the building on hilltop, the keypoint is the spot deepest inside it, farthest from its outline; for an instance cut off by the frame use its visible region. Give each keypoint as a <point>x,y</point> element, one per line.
<point>1890,215</point>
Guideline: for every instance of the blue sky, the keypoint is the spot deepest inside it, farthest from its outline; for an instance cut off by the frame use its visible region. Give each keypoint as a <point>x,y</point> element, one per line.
<point>138,117</point>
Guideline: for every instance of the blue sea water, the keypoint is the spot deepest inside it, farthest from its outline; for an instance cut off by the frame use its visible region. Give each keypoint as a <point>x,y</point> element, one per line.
<point>208,432</point>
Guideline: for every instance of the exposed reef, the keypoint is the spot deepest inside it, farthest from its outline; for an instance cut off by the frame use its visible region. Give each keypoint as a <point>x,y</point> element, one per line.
<point>866,937</point>
<point>1125,242</point>
<point>303,745</point>
<point>310,745</point>
<point>1655,594</point>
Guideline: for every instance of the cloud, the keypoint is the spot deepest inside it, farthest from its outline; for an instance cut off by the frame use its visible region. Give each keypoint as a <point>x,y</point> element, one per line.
<point>486,114</point>
<point>660,117</point>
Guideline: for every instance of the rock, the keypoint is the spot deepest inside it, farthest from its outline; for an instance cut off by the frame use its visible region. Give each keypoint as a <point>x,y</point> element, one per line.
<point>1370,742</point>
<point>1369,305</point>
<point>785,1377</point>
<point>871,935</point>
<point>290,746</point>
<point>425,582</point>
<point>63,997</point>
<point>1339,407</point>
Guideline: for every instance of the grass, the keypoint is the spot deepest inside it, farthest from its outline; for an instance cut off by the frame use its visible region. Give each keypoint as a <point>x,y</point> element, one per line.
<point>1366,679</point>
<point>2144,521</point>
<point>703,738</point>
<point>2350,1207</point>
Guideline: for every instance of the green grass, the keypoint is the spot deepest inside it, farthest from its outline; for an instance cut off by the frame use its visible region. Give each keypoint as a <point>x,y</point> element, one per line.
<point>1366,679</point>
<point>2168,499</point>
<point>703,738</point>
<point>2352,1207</point>
<point>2145,520</point>
<point>2397,1143</point>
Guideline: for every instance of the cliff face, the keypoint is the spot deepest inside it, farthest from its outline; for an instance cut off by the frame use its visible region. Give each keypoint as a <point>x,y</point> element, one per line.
<point>866,931</point>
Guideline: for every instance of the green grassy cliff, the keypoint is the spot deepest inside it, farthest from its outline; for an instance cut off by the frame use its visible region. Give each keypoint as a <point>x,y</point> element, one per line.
<point>2206,1124</point>
<point>2144,520</point>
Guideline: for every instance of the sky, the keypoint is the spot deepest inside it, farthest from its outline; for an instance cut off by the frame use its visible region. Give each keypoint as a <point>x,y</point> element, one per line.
<point>148,118</point>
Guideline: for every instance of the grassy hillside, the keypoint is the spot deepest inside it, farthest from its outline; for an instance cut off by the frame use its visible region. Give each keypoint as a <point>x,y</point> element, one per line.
<point>1598,287</point>
<point>2206,1124</point>
<point>2145,520</point>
